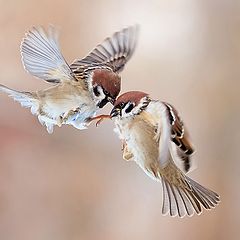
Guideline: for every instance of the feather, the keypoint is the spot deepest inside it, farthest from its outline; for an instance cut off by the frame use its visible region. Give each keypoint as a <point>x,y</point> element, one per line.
<point>186,196</point>
<point>183,149</point>
<point>114,52</point>
<point>41,56</point>
<point>166,201</point>
<point>26,99</point>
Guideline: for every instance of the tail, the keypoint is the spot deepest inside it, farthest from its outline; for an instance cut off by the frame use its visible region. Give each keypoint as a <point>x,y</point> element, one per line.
<point>183,196</point>
<point>26,99</point>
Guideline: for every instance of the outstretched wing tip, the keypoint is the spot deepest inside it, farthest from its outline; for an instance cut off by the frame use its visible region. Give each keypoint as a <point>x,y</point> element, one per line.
<point>41,55</point>
<point>113,52</point>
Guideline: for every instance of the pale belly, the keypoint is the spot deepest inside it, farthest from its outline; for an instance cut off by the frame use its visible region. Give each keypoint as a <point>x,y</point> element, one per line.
<point>140,142</point>
<point>77,106</point>
<point>58,107</point>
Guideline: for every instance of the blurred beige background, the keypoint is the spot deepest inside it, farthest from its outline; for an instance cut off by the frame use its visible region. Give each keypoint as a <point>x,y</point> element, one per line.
<point>74,185</point>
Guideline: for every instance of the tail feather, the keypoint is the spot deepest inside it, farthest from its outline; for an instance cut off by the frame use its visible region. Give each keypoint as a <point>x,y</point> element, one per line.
<point>177,198</point>
<point>207,194</point>
<point>186,198</point>
<point>26,99</point>
<point>30,100</point>
<point>187,208</point>
<point>194,203</point>
<point>173,204</point>
<point>165,206</point>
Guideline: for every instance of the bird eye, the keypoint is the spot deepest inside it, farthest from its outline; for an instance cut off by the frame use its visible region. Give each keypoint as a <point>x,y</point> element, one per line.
<point>121,104</point>
<point>106,92</point>
<point>96,91</point>
<point>129,109</point>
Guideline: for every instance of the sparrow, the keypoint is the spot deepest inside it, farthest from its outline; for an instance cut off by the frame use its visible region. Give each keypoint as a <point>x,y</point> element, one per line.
<point>154,136</point>
<point>77,90</point>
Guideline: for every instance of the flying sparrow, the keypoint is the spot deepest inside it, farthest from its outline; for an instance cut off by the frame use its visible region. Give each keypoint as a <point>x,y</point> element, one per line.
<point>78,90</point>
<point>154,136</point>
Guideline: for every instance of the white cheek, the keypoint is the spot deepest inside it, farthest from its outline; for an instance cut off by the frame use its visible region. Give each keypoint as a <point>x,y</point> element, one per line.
<point>124,114</point>
<point>101,95</point>
<point>136,110</point>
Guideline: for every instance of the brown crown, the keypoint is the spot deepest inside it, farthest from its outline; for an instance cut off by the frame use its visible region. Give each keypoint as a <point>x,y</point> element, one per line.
<point>133,96</point>
<point>110,81</point>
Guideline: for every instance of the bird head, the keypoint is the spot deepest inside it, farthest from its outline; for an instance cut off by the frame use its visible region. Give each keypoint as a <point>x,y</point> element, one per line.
<point>106,86</point>
<point>130,104</point>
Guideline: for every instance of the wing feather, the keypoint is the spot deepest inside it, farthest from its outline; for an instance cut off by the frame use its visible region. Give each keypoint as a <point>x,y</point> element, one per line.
<point>182,146</point>
<point>41,55</point>
<point>181,195</point>
<point>114,52</point>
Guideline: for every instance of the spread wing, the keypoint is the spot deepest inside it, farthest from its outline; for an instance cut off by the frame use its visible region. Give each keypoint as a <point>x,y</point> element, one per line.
<point>41,55</point>
<point>114,52</point>
<point>181,144</point>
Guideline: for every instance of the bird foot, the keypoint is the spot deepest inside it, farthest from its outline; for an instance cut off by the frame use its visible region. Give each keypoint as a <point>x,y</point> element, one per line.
<point>100,118</point>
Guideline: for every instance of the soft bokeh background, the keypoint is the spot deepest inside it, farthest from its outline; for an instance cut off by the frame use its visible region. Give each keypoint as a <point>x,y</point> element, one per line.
<point>74,185</point>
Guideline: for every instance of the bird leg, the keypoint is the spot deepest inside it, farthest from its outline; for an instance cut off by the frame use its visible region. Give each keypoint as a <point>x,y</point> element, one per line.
<point>100,118</point>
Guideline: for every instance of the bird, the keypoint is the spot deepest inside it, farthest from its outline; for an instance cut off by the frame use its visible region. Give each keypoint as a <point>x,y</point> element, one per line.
<point>154,136</point>
<point>77,90</point>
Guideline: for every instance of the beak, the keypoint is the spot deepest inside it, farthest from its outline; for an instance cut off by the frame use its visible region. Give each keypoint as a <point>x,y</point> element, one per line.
<point>103,103</point>
<point>111,100</point>
<point>115,112</point>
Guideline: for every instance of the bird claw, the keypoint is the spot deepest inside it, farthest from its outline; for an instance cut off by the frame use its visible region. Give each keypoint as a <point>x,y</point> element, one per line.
<point>99,119</point>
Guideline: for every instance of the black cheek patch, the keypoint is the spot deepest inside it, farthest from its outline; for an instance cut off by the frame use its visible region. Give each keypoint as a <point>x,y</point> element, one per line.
<point>102,103</point>
<point>129,109</point>
<point>96,92</point>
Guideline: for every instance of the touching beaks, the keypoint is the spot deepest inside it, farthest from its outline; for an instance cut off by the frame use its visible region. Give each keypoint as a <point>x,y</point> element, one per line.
<point>115,112</point>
